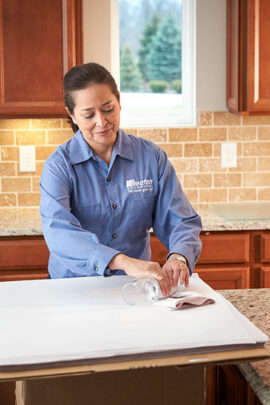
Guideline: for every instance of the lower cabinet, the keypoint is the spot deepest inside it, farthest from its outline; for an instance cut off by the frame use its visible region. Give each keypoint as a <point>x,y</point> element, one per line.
<point>227,386</point>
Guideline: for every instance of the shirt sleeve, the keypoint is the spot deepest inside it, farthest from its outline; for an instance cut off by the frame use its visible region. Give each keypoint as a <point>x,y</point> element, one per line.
<point>176,223</point>
<point>74,250</point>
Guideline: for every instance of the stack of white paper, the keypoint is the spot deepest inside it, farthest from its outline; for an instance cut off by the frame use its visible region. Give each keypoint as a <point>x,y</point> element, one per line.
<point>84,320</point>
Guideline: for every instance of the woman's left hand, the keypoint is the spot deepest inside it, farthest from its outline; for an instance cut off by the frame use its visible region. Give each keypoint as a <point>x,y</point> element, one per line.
<point>177,271</point>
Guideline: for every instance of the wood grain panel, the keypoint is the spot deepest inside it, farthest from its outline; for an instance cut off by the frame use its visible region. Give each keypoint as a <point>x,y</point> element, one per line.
<point>259,56</point>
<point>224,278</point>
<point>23,254</point>
<point>265,248</point>
<point>224,248</point>
<point>38,45</point>
<point>265,277</point>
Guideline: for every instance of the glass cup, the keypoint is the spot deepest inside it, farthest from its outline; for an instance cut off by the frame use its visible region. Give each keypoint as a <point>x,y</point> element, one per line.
<point>141,291</point>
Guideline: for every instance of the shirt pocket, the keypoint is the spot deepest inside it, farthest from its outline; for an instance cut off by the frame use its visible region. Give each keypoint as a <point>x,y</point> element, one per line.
<point>141,211</point>
<point>89,217</point>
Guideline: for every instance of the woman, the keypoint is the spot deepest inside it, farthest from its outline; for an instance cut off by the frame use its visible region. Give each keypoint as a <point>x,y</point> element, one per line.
<point>103,190</point>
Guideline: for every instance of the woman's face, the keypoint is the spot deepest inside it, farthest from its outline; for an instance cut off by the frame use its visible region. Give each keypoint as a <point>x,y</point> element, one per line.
<point>97,114</point>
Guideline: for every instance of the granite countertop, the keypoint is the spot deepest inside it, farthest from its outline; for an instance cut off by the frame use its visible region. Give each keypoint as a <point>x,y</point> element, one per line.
<point>255,304</point>
<point>26,221</point>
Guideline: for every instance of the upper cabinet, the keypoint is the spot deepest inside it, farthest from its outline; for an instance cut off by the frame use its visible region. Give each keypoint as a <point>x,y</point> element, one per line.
<point>39,41</point>
<point>248,56</point>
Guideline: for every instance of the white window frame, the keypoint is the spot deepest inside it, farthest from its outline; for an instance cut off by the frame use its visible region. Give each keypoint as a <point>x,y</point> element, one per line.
<point>105,50</point>
<point>187,115</point>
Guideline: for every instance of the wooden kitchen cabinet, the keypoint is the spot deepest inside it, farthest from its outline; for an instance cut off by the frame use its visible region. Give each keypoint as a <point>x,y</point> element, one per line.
<point>265,260</point>
<point>23,258</point>
<point>39,42</point>
<point>248,56</point>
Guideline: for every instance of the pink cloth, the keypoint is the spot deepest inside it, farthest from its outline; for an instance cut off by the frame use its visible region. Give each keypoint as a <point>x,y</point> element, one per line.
<point>183,300</point>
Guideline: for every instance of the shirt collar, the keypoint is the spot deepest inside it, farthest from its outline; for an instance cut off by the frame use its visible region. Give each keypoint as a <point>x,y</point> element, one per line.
<point>80,151</point>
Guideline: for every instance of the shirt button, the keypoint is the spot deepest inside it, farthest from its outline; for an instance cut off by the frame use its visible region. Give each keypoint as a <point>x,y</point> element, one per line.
<point>108,178</point>
<point>96,268</point>
<point>114,235</point>
<point>114,206</point>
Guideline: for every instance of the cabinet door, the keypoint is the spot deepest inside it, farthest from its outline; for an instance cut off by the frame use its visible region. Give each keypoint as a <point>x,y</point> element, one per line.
<point>39,42</point>
<point>265,277</point>
<point>225,278</point>
<point>258,56</point>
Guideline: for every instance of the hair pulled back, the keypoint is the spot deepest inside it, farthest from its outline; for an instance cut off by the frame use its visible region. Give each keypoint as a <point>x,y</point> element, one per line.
<point>81,76</point>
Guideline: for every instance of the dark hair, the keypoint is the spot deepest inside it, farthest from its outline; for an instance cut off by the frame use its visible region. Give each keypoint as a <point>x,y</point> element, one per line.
<point>82,76</point>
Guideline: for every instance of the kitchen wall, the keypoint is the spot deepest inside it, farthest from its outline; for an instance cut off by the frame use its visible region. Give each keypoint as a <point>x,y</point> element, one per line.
<point>194,152</point>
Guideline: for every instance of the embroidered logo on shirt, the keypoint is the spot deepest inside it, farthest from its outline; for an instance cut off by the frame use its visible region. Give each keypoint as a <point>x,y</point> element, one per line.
<point>134,186</point>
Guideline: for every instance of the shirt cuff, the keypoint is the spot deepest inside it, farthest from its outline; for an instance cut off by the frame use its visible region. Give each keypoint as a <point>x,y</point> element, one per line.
<point>99,260</point>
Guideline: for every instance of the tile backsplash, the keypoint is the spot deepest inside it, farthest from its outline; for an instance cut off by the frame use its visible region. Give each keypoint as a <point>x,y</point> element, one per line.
<point>194,152</point>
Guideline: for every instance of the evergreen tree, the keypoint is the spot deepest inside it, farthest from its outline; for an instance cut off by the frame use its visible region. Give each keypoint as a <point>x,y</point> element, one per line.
<point>130,77</point>
<point>164,58</point>
<point>148,33</point>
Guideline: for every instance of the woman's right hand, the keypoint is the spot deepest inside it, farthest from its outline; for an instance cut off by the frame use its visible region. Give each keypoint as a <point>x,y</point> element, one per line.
<point>142,268</point>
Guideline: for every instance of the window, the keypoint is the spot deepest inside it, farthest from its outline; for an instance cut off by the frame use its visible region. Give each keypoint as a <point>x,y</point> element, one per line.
<point>157,62</point>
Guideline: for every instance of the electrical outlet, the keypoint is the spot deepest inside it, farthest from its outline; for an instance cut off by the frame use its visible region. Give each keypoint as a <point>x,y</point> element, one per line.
<point>228,154</point>
<point>27,159</point>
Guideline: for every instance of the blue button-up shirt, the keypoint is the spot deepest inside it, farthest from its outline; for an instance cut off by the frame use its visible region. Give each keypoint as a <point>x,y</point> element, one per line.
<point>91,212</point>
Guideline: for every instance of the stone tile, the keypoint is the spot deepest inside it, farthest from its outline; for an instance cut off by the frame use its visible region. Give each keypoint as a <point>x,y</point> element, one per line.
<point>264,164</point>
<point>7,200</point>
<point>46,123</point>
<point>7,138</point>
<point>246,164</point>
<point>226,118</point>
<point>57,137</point>
<point>16,184</point>
<point>242,133</point>
<point>35,183</point>
<point>227,180</point>
<point>256,179</point>
<point>256,120</point>
<point>264,194</point>
<point>183,134</point>
<point>213,195</point>
<point>197,180</point>
<point>210,165</point>
<point>264,133</point>
<point>35,137</point>
<point>185,165</point>
<point>7,169</point>
<point>10,153</point>
<point>154,135</point>
<point>14,123</point>
<point>197,149</point>
<point>256,149</point>
<point>172,150</point>
<point>192,195</point>
<point>43,152</point>
<point>28,199</point>
<point>205,118</point>
<point>242,194</point>
<point>212,134</point>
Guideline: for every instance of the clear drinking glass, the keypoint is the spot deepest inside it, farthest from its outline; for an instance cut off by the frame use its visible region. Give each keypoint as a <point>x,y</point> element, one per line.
<point>141,291</point>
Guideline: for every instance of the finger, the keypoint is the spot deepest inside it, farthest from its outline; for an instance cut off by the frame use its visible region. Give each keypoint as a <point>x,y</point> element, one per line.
<point>183,275</point>
<point>187,279</point>
<point>170,274</point>
<point>176,276</point>
<point>162,287</point>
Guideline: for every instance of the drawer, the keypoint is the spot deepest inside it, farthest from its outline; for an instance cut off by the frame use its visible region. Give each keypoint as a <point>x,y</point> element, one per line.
<point>223,278</point>
<point>23,254</point>
<point>224,248</point>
